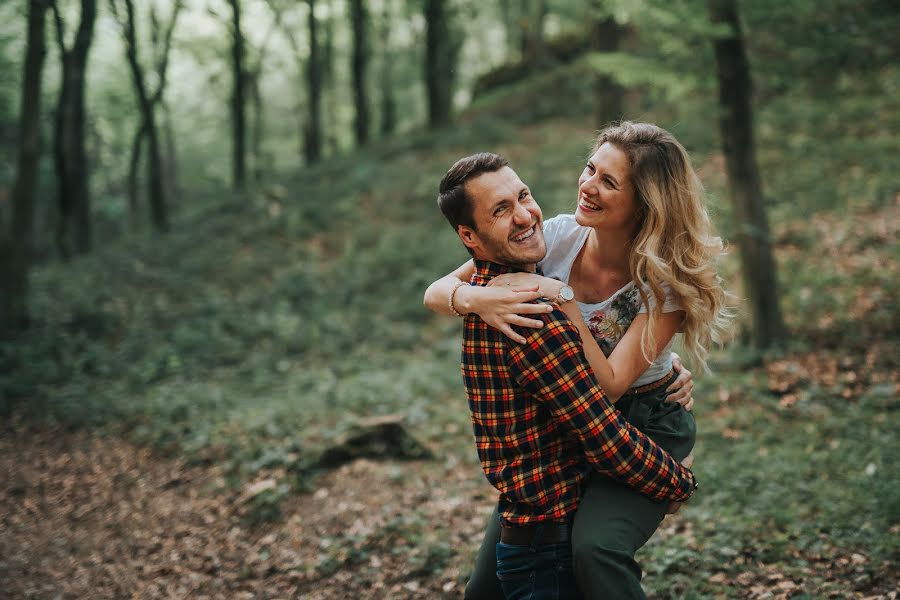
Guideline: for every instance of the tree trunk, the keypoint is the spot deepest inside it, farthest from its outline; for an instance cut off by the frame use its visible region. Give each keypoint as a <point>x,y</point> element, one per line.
<point>72,173</point>
<point>157,199</point>
<point>313,133</point>
<point>359,18</point>
<point>388,102</point>
<point>133,164</point>
<point>534,47</point>
<point>257,125</point>
<point>736,123</point>
<point>15,245</point>
<point>170,164</point>
<point>238,119</point>
<point>606,36</point>
<point>440,52</point>
<point>512,30</point>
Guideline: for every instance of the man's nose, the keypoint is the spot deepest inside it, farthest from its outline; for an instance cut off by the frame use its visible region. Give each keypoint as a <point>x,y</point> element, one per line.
<point>523,215</point>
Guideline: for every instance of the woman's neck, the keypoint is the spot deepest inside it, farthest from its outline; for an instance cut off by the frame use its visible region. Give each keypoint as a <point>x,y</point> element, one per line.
<point>609,250</point>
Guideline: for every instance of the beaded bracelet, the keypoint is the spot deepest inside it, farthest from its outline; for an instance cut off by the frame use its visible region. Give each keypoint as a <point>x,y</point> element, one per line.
<point>456,286</point>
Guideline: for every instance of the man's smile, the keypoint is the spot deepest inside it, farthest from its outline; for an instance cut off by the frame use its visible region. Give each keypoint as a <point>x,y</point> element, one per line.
<point>524,235</point>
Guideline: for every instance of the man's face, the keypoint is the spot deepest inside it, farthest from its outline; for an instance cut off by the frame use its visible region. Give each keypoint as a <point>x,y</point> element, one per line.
<point>508,221</point>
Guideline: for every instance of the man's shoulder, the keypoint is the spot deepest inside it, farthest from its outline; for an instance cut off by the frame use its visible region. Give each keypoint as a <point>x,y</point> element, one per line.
<point>556,325</point>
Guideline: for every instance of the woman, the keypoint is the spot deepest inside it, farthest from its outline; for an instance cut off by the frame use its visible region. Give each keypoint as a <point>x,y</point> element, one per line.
<point>638,254</point>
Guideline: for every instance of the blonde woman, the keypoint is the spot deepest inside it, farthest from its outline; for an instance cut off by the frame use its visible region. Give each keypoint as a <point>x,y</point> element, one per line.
<point>637,256</point>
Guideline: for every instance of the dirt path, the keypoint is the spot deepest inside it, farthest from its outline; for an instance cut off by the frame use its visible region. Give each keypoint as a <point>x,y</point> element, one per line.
<point>85,516</point>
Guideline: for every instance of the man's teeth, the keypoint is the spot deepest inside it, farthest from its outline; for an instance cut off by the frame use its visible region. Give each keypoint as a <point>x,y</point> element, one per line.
<point>587,204</point>
<point>524,236</point>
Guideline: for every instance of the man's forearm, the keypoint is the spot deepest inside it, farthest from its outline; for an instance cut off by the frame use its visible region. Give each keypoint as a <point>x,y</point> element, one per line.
<point>552,367</point>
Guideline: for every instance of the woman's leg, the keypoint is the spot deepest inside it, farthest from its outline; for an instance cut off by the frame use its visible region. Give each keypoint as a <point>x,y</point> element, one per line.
<point>483,584</point>
<point>613,521</point>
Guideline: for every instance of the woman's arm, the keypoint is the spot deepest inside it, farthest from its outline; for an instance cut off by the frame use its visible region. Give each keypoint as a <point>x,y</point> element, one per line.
<point>627,362</point>
<point>498,306</point>
<point>437,296</point>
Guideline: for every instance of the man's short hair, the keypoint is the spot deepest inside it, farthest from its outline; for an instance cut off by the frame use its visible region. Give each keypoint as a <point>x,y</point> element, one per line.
<point>452,198</point>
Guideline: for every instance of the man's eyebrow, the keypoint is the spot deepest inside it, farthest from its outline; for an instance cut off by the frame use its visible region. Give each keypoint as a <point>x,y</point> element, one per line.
<point>499,203</point>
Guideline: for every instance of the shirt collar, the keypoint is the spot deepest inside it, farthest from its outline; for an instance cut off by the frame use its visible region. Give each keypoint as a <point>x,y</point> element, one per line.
<point>486,270</point>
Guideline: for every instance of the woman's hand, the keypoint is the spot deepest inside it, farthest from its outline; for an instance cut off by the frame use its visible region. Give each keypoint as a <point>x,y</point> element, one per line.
<point>501,307</point>
<point>549,288</point>
<point>682,388</point>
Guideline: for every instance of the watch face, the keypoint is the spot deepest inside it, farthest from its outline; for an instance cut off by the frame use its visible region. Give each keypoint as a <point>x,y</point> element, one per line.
<point>566,293</point>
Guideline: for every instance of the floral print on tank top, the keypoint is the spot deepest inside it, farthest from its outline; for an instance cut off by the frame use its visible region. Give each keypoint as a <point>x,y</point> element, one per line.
<point>609,326</point>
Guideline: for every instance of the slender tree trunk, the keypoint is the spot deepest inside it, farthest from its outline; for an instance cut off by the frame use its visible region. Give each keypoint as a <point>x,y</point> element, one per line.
<point>72,173</point>
<point>238,117</point>
<point>606,36</point>
<point>15,245</point>
<point>256,125</point>
<point>134,163</point>
<point>157,199</point>
<point>440,58</point>
<point>359,18</point>
<point>736,123</point>
<point>534,47</point>
<point>388,102</point>
<point>331,99</point>
<point>313,136</point>
<point>170,162</point>
<point>512,30</point>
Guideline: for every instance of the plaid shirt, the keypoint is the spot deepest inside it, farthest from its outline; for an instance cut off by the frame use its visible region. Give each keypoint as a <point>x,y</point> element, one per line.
<point>542,423</point>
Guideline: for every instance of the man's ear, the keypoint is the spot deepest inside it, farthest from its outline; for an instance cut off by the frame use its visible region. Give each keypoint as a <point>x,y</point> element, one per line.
<point>468,236</point>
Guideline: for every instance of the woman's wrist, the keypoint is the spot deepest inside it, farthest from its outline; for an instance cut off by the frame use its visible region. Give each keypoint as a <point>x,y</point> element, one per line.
<point>456,302</point>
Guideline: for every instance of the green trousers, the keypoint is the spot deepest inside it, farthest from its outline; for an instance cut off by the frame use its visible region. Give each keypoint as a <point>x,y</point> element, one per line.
<point>612,521</point>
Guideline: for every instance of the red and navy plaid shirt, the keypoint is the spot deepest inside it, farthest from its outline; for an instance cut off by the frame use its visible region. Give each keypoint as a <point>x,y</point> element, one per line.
<point>542,423</point>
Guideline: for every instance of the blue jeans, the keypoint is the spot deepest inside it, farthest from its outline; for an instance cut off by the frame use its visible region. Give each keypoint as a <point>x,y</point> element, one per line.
<point>536,572</point>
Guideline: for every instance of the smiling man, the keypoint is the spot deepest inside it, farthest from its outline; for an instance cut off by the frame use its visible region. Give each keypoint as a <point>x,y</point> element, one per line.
<point>542,424</point>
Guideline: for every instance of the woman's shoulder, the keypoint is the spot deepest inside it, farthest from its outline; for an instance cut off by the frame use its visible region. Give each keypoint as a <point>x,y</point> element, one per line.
<point>561,226</point>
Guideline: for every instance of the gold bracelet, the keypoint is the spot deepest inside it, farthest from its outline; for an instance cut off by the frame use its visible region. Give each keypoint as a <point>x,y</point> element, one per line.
<point>456,286</point>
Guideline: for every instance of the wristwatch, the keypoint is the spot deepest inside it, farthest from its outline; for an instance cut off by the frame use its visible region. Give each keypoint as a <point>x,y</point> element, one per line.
<point>566,293</point>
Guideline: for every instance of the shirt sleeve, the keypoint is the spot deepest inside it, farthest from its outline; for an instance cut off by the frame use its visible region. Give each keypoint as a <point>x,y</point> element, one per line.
<point>552,367</point>
<point>670,305</point>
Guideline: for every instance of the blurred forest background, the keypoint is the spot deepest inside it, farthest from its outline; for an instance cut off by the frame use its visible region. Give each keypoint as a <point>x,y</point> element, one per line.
<point>217,222</point>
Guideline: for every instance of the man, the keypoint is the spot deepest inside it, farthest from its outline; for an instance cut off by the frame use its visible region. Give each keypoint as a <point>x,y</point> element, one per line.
<point>542,424</point>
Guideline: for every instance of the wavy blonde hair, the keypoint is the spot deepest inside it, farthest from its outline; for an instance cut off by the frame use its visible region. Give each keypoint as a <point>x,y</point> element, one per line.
<point>675,243</point>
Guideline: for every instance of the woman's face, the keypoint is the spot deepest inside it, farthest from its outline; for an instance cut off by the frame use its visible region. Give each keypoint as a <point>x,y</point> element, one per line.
<point>606,197</point>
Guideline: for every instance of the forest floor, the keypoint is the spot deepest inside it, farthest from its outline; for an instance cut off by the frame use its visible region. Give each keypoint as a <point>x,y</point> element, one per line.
<point>90,516</point>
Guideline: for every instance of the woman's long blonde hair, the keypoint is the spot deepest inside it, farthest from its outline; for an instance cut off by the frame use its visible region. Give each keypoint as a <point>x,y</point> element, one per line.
<point>675,243</point>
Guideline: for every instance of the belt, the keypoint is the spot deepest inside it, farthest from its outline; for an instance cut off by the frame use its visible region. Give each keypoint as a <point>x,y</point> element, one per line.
<point>524,535</point>
<point>651,386</point>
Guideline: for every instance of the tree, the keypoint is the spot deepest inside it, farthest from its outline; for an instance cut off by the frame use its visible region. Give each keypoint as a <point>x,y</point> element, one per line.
<point>313,132</point>
<point>147,104</point>
<point>238,118</point>
<point>359,18</point>
<point>72,173</point>
<point>736,124</point>
<point>534,47</point>
<point>15,245</point>
<point>441,50</point>
<point>606,36</point>
<point>388,101</point>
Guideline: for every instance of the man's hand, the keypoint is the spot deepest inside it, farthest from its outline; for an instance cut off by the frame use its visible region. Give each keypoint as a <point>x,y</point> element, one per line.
<point>681,390</point>
<point>674,507</point>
